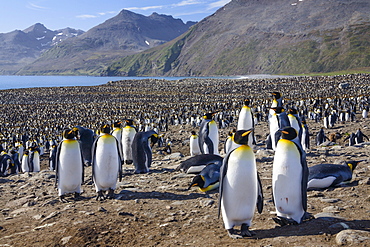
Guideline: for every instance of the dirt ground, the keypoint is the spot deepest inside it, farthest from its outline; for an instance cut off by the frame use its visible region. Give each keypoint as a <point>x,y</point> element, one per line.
<point>156,209</point>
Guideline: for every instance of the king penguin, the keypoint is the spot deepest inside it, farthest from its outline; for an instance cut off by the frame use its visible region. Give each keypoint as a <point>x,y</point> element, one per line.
<point>117,133</point>
<point>69,167</point>
<point>208,178</point>
<point>326,175</point>
<point>194,144</point>
<point>289,180</point>
<point>34,158</point>
<point>25,164</point>
<point>277,119</point>
<point>246,121</point>
<point>106,165</point>
<point>141,150</point>
<point>128,134</point>
<point>208,135</point>
<point>85,137</point>
<point>295,122</point>
<point>238,172</point>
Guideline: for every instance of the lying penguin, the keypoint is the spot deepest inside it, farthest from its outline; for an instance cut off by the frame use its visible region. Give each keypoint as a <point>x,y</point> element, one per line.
<point>197,163</point>
<point>327,175</point>
<point>208,178</point>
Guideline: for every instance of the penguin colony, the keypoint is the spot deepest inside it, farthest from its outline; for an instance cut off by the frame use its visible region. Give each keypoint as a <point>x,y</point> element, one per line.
<point>221,113</point>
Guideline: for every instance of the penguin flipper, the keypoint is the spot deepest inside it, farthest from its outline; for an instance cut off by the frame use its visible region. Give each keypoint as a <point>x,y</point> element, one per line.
<point>93,151</point>
<point>57,163</point>
<point>82,162</point>
<point>259,195</point>
<point>305,173</point>
<point>209,144</point>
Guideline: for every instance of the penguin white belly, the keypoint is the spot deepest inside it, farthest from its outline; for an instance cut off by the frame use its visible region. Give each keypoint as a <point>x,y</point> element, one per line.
<point>36,161</point>
<point>286,179</point>
<point>69,168</point>
<point>274,127</point>
<point>245,121</point>
<point>25,163</point>
<point>117,133</point>
<point>320,183</point>
<point>20,151</point>
<point>213,135</point>
<point>106,163</point>
<point>294,123</point>
<point>128,134</point>
<point>194,146</point>
<point>239,190</point>
<point>364,114</point>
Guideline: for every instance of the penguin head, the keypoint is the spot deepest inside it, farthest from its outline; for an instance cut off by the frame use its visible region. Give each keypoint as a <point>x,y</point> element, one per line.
<point>209,116</point>
<point>129,122</point>
<point>76,132</point>
<point>352,164</point>
<point>247,102</point>
<point>106,129</point>
<point>278,109</point>
<point>288,133</point>
<point>154,139</point>
<point>68,134</point>
<point>193,133</point>
<point>197,181</point>
<point>292,111</point>
<point>117,124</point>
<point>241,136</point>
<point>276,95</point>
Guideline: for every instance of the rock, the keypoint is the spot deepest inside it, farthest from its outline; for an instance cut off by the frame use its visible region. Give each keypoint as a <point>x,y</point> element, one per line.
<point>356,237</point>
<point>329,200</point>
<point>365,181</point>
<point>65,240</point>
<point>328,216</point>
<point>38,216</point>
<point>19,202</point>
<point>173,156</point>
<point>52,215</point>
<point>207,203</point>
<point>101,209</point>
<point>332,209</point>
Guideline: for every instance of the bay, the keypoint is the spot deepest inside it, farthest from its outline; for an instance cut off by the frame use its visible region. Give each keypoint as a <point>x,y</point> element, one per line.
<point>12,82</point>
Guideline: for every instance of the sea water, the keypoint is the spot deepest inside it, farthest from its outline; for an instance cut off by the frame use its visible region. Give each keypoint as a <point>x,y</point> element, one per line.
<point>10,82</point>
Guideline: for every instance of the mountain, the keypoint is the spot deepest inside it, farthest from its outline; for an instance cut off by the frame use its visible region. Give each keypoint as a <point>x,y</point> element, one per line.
<point>125,34</point>
<point>263,36</point>
<point>19,48</point>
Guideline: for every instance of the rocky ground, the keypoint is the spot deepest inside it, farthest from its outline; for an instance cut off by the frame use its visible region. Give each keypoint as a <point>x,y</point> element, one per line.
<point>156,209</point>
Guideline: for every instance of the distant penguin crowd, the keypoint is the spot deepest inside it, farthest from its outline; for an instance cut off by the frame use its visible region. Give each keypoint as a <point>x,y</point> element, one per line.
<point>119,123</point>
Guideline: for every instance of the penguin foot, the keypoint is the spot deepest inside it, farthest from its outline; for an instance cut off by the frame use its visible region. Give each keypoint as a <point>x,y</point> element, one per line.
<point>110,194</point>
<point>128,162</point>
<point>100,196</point>
<point>232,234</point>
<point>245,232</point>
<point>282,221</point>
<point>63,199</point>
<point>307,217</point>
<point>76,195</point>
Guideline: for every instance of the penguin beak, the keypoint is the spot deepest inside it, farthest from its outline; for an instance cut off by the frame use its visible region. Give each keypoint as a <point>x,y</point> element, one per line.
<point>246,133</point>
<point>192,185</point>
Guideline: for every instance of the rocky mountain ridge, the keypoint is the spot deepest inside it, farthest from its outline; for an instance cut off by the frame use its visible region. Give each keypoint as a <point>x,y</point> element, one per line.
<point>125,34</point>
<point>264,36</point>
<point>19,48</point>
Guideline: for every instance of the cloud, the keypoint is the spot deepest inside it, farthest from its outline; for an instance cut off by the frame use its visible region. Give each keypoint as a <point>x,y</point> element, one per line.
<point>145,8</point>
<point>35,7</point>
<point>86,16</point>
<point>218,4</point>
<point>186,2</point>
<point>108,13</point>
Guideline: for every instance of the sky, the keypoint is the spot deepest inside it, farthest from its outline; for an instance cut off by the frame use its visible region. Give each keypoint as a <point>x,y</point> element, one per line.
<point>85,14</point>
